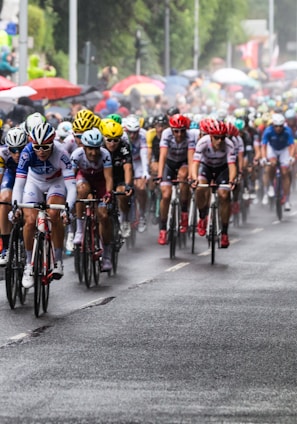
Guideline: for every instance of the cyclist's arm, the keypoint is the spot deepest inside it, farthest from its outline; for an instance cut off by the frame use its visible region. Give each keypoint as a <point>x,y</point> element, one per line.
<point>195,170</point>
<point>18,189</point>
<point>108,179</point>
<point>162,160</point>
<point>190,160</point>
<point>232,171</point>
<point>128,172</point>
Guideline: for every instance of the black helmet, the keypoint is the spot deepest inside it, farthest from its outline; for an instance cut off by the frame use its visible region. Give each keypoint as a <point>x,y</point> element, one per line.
<point>173,110</point>
<point>161,119</point>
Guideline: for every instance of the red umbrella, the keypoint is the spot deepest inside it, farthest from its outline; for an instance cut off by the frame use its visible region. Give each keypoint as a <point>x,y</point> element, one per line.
<point>122,85</point>
<point>53,88</point>
<point>5,83</point>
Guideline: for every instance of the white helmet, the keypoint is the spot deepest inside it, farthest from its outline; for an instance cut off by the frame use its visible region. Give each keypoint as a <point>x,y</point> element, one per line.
<point>33,120</point>
<point>64,129</point>
<point>278,119</point>
<point>132,123</point>
<point>16,137</point>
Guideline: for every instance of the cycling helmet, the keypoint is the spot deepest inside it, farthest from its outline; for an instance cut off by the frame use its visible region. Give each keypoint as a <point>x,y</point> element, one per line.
<point>231,129</point>
<point>92,138</point>
<point>64,129</point>
<point>179,121</point>
<point>115,117</point>
<point>16,137</point>
<point>204,125</point>
<point>278,119</point>
<point>161,119</point>
<point>110,128</point>
<point>194,125</point>
<point>132,123</point>
<point>148,122</point>
<point>239,124</point>
<point>217,127</point>
<point>43,134</point>
<point>96,121</point>
<point>84,114</point>
<point>33,120</point>
<point>290,114</point>
<point>173,110</point>
<point>80,125</point>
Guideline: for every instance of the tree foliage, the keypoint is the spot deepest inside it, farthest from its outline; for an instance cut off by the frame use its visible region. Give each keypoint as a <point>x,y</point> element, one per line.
<point>111,27</point>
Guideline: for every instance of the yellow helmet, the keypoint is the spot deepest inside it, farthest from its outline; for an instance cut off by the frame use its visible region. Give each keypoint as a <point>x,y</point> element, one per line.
<point>84,114</point>
<point>110,128</point>
<point>96,121</point>
<point>80,125</point>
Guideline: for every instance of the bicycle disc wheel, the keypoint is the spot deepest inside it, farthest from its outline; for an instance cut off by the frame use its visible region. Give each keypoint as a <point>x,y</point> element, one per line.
<point>96,257</point>
<point>87,253</point>
<point>38,271</point>
<point>46,286</point>
<point>12,274</point>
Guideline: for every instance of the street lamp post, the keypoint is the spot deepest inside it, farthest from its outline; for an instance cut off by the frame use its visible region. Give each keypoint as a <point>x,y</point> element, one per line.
<point>271,29</point>
<point>72,46</point>
<point>167,38</point>
<point>196,35</point>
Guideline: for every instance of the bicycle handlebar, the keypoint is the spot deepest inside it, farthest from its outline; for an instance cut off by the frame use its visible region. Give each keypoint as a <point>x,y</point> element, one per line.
<point>42,206</point>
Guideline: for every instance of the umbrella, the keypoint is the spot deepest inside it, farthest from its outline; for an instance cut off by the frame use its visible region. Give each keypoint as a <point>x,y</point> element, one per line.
<point>177,80</point>
<point>122,85</point>
<point>6,84</point>
<point>145,89</point>
<point>233,76</point>
<point>190,73</point>
<point>291,65</point>
<point>53,88</point>
<point>17,92</point>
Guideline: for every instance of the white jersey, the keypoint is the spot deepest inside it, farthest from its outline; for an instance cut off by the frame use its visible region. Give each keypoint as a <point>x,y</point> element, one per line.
<point>80,162</point>
<point>205,153</point>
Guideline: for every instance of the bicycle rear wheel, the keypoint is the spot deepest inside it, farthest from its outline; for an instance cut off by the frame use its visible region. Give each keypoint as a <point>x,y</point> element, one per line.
<point>38,272</point>
<point>278,199</point>
<point>192,223</point>
<point>116,244</point>
<point>78,262</point>
<point>87,252</point>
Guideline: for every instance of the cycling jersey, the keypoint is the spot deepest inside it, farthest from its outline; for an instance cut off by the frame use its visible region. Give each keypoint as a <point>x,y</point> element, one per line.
<point>120,157</point>
<point>6,160</point>
<point>53,175</point>
<point>139,154</point>
<point>278,141</point>
<point>80,161</point>
<point>205,153</point>
<point>177,152</point>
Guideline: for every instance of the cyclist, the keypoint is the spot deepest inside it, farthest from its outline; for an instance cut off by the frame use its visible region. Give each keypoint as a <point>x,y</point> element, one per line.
<point>93,169</point>
<point>43,167</point>
<point>177,147</point>
<point>32,120</point>
<point>153,138</point>
<point>277,142</point>
<point>136,136</point>
<point>214,160</point>
<point>121,156</point>
<point>15,141</point>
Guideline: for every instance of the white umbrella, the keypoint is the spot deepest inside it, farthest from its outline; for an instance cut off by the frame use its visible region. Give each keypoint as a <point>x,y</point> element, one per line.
<point>291,65</point>
<point>230,76</point>
<point>17,92</point>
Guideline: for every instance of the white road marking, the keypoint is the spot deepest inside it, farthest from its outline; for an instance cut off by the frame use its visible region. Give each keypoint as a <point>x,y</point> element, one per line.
<point>177,267</point>
<point>257,230</point>
<point>19,337</point>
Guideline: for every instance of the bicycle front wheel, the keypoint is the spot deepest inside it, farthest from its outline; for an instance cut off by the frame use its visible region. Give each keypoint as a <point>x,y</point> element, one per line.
<point>38,272</point>
<point>87,252</point>
<point>96,256</point>
<point>172,233</point>
<point>46,284</point>
<point>12,271</point>
<point>278,199</point>
<point>116,244</point>
<point>213,235</point>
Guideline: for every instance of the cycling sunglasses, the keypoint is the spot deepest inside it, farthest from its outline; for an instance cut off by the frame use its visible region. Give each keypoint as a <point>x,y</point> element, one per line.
<point>15,149</point>
<point>219,137</point>
<point>115,140</point>
<point>179,131</point>
<point>44,148</point>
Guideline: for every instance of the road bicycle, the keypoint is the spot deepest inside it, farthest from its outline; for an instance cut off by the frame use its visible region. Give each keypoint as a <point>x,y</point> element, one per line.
<point>174,235</point>
<point>117,238</point>
<point>278,190</point>
<point>16,260</point>
<point>43,253</point>
<point>88,255</point>
<point>192,226</point>
<point>213,229</point>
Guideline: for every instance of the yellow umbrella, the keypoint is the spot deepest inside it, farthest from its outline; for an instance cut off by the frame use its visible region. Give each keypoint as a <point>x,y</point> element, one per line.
<point>145,89</point>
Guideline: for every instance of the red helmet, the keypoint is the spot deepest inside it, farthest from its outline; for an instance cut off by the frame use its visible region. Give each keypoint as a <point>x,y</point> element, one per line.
<point>179,121</point>
<point>231,130</point>
<point>204,125</point>
<point>217,128</point>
